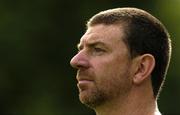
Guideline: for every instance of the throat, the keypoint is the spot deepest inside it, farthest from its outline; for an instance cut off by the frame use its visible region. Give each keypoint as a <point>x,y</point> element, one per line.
<point>128,105</point>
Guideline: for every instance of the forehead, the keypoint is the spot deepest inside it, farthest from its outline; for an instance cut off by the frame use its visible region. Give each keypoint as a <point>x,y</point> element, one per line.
<point>109,34</point>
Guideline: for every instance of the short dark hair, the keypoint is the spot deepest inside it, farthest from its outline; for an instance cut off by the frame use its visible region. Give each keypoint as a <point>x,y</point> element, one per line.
<point>143,34</point>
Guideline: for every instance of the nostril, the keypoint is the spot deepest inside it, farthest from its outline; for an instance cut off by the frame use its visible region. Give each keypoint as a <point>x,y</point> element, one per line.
<point>79,66</point>
<point>82,64</point>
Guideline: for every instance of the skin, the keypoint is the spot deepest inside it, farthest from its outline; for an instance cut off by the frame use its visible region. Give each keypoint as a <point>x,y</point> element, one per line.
<point>109,81</point>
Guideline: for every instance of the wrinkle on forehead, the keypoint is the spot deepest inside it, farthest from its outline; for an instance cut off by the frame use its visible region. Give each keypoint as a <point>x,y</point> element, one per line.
<point>102,33</point>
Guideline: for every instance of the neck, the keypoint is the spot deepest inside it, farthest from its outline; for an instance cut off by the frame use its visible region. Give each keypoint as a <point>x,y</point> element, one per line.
<point>139,101</point>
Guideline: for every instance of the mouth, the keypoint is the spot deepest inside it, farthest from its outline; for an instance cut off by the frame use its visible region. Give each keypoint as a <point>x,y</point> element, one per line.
<point>83,77</point>
<point>84,81</point>
<point>84,84</point>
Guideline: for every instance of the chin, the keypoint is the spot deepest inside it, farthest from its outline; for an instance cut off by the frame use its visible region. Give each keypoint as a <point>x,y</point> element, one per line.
<point>84,96</point>
<point>91,99</point>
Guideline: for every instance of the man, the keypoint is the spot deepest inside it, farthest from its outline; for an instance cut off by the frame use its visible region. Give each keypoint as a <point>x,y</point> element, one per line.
<point>122,62</point>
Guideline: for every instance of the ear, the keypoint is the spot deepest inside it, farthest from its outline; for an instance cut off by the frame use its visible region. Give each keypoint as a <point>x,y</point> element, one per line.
<point>144,67</point>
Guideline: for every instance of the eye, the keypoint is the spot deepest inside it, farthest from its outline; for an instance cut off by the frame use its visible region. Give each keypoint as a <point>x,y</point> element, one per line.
<point>96,51</point>
<point>99,49</point>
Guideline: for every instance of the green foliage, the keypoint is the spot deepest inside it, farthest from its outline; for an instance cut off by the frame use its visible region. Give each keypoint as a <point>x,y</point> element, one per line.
<point>38,39</point>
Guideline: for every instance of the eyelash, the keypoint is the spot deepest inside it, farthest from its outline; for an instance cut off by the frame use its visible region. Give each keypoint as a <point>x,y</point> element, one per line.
<point>98,49</point>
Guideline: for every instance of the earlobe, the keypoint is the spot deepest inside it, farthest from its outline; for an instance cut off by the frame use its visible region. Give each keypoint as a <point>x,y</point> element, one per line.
<point>145,66</point>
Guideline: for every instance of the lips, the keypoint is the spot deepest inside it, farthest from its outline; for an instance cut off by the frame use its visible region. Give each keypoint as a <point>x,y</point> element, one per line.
<point>84,83</point>
<point>83,80</point>
<point>84,76</point>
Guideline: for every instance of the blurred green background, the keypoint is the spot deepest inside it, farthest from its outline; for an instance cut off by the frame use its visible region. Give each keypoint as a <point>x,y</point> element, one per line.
<point>37,40</point>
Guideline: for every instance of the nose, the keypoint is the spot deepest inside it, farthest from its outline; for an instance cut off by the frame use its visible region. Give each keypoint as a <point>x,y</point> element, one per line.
<point>80,60</point>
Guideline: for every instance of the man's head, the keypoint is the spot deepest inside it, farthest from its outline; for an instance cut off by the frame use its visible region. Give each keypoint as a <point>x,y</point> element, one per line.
<point>121,47</point>
<point>144,34</point>
<point>103,65</point>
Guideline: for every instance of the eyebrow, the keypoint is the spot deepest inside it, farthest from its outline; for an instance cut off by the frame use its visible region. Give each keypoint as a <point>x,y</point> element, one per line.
<point>79,46</point>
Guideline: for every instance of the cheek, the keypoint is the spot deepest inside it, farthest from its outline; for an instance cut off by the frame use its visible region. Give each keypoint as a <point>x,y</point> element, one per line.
<point>109,71</point>
<point>113,81</point>
<point>111,66</point>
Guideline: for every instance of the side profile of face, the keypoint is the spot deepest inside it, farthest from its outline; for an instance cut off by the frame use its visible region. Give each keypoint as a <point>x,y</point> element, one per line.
<point>103,65</point>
